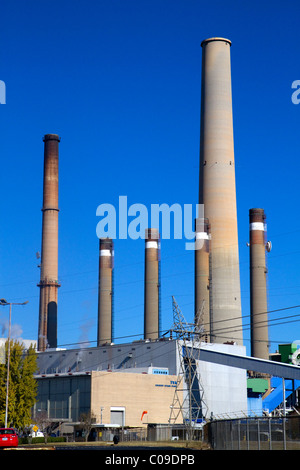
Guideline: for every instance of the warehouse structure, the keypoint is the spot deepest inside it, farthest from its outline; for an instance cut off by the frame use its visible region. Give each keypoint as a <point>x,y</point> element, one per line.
<point>117,382</point>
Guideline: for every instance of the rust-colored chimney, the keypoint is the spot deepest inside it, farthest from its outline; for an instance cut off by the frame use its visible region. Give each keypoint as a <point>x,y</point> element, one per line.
<point>47,334</point>
<point>105,293</point>
<point>152,287</point>
<point>258,284</point>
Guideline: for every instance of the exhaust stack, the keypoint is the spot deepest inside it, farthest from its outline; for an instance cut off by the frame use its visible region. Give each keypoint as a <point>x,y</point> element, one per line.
<point>202,277</point>
<point>47,334</point>
<point>152,284</point>
<point>258,284</point>
<point>217,190</point>
<point>105,292</point>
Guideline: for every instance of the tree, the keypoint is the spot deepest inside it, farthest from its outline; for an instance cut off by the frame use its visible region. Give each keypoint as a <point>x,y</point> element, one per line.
<point>22,385</point>
<point>44,423</point>
<point>87,420</point>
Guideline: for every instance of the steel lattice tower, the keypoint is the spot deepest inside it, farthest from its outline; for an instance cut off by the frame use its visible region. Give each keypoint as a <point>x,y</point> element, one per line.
<point>188,400</point>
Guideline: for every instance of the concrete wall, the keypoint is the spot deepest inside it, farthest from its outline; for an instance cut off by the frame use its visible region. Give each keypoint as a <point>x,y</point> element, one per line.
<point>225,387</point>
<point>133,393</point>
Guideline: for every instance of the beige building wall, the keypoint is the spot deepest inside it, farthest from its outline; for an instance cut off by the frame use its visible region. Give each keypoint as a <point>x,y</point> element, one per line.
<point>135,393</point>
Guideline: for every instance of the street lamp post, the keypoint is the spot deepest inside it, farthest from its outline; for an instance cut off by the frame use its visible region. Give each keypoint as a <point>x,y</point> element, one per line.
<point>4,302</point>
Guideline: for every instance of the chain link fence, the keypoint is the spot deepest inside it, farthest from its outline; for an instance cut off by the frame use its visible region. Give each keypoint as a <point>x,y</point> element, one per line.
<point>123,435</point>
<point>255,434</point>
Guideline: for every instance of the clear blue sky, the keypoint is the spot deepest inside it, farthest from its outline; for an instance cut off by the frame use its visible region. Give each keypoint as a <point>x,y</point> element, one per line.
<point>119,81</point>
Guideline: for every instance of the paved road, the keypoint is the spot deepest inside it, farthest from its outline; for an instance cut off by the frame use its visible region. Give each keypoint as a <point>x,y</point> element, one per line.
<point>137,457</point>
<point>119,448</point>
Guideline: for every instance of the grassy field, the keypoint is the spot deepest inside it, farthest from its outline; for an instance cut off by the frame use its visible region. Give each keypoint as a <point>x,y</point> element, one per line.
<point>193,445</point>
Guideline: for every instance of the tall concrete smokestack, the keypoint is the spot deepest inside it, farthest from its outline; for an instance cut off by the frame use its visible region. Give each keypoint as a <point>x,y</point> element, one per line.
<point>152,287</point>
<point>218,191</point>
<point>105,292</point>
<point>202,276</point>
<point>258,284</point>
<point>47,335</point>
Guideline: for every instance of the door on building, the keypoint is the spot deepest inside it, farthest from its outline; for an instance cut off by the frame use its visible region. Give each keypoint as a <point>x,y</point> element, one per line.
<point>117,415</point>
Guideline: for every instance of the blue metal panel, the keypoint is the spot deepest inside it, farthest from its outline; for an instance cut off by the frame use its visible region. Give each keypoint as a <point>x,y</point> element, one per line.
<point>275,398</point>
<point>255,407</point>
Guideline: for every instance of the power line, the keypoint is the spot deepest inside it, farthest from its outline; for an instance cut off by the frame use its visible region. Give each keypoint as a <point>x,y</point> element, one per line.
<point>220,330</point>
<point>231,329</point>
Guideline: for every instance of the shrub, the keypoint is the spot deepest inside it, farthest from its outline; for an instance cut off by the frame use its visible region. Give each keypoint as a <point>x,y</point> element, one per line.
<point>40,440</point>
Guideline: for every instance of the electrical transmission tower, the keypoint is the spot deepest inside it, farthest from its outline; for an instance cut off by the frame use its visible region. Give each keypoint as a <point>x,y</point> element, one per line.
<point>188,401</point>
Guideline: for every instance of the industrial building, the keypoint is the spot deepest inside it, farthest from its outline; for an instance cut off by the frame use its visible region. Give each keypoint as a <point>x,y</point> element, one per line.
<point>123,380</point>
<point>133,385</point>
<point>141,383</point>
